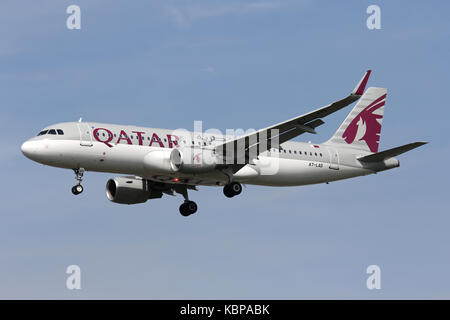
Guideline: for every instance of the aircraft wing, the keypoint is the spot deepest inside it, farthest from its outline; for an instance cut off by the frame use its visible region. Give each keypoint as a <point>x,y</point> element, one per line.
<point>262,140</point>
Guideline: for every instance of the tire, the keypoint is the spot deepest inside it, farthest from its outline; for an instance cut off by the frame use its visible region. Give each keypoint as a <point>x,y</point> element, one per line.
<point>183,210</point>
<point>191,207</point>
<point>232,189</point>
<point>76,190</point>
<point>188,208</point>
<point>227,191</point>
<point>236,188</point>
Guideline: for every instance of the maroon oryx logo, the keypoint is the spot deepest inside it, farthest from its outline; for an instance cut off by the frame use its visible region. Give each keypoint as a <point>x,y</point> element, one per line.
<point>366,125</point>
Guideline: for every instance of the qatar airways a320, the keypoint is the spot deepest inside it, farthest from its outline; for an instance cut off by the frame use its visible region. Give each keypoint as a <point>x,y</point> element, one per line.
<point>163,161</point>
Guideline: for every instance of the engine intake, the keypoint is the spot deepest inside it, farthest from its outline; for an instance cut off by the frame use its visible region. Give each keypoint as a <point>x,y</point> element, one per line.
<point>130,190</point>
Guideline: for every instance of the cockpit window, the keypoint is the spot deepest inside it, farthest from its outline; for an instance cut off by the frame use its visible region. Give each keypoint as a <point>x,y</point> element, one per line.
<point>60,131</point>
<point>52,131</point>
<point>42,132</point>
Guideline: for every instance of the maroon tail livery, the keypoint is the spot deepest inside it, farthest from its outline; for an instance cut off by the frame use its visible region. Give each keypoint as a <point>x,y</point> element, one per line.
<point>371,123</point>
<point>362,127</point>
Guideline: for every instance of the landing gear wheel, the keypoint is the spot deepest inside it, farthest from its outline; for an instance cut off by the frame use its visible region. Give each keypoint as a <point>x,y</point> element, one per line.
<point>188,208</point>
<point>232,189</point>
<point>183,210</point>
<point>77,189</point>
<point>236,188</point>
<point>227,191</point>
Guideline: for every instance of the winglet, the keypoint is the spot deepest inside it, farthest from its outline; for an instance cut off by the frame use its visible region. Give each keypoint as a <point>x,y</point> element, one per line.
<point>359,89</point>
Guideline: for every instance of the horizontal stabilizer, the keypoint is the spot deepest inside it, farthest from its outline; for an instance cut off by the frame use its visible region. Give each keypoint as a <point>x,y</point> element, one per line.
<point>386,154</point>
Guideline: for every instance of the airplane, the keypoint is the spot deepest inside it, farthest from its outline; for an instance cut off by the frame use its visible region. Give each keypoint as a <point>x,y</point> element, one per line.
<point>161,161</point>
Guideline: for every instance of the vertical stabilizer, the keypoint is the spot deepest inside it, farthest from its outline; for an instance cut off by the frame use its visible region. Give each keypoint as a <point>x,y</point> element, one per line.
<point>362,127</point>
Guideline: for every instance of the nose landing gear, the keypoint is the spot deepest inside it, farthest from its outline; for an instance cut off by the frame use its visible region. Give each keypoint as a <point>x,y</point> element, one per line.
<point>77,189</point>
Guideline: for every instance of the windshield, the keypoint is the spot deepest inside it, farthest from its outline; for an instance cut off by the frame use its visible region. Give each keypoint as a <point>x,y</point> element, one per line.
<point>42,132</point>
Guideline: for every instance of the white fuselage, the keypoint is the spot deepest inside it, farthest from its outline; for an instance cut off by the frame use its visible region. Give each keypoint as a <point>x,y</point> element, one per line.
<point>122,149</point>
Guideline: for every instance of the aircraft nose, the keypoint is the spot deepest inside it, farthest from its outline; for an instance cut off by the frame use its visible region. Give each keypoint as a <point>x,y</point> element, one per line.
<point>28,149</point>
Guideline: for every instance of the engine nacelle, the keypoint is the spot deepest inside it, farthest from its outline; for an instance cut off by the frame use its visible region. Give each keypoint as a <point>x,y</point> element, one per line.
<point>193,160</point>
<point>158,161</point>
<point>130,190</point>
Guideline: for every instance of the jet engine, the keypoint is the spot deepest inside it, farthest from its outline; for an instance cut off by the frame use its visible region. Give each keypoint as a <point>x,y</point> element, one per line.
<point>130,190</point>
<point>158,161</point>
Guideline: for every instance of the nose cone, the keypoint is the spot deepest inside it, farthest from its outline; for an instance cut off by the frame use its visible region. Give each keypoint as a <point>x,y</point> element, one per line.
<point>33,150</point>
<point>28,149</point>
<point>38,150</point>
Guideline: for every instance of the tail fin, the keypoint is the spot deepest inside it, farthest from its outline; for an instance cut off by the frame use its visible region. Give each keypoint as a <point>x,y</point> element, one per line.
<point>362,127</point>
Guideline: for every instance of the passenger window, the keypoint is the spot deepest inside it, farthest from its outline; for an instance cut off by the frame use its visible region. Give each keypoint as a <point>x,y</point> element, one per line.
<point>310,153</point>
<point>290,151</point>
<point>315,153</point>
<point>299,152</point>
<point>60,131</point>
<point>52,131</point>
<point>321,154</point>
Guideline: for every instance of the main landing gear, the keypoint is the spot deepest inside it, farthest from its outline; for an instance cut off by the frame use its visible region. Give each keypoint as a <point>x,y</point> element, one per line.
<point>77,189</point>
<point>188,207</point>
<point>232,189</point>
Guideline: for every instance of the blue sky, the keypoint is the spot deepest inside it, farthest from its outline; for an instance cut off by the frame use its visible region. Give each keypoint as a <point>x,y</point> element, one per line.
<point>231,64</point>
